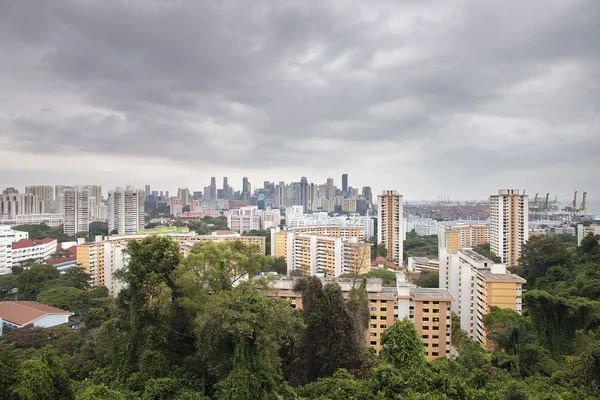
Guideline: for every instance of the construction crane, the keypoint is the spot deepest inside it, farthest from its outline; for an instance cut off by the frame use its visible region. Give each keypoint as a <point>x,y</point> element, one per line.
<point>582,207</point>
<point>546,205</point>
<point>574,206</point>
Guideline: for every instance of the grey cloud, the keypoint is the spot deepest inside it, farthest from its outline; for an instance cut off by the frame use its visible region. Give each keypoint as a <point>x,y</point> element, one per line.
<point>268,83</point>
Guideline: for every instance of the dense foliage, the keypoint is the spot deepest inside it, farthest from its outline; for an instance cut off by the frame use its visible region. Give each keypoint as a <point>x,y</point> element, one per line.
<point>196,328</point>
<point>420,246</point>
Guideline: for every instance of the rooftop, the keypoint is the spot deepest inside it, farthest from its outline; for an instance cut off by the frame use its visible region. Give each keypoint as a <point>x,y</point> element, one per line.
<point>430,293</point>
<point>475,256</point>
<point>25,243</point>
<point>25,312</point>
<point>501,277</point>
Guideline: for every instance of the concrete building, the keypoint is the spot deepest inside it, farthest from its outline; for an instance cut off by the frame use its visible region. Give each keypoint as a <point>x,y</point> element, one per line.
<point>45,196</point>
<point>509,224</point>
<point>270,219</point>
<point>420,264</point>
<point>76,209</point>
<point>184,196</point>
<point>459,236</point>
<point>17,314</point>
<point>175,206</point>
<point>422,226</point>
<point>13,205</point>
<point>91,258</point>
<point>25,249</point>
<point>244,219</point>
<point>390,226</point>
<point>321,250</point>
<point>125,210</point>
<point>428,309</point>
<point>52,220</point>
<point>59,198</point>
<point>583,231</point>
<point>7,237</point>
<point>477,283</point>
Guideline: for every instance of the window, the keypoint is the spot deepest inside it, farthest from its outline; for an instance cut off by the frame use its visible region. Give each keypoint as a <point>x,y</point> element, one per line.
<point>383,317</point>
<point>373,316</point>
<point>383,326</point>
<point>373,309</point>
<point>425,344</point>
<point>425,319</point>
<point>434,354</point>
<point>436,328</point>
<point>426,310</point>
<point>373,343</point>
<point>373,326</point>
<point>425,302</point>
<point>435,345</point>
<point>436,310</point>
<point>425,328</point>
<point>383,309</point>
<point>436,337</point>
<point>425,336</point>
<point>373,334</point>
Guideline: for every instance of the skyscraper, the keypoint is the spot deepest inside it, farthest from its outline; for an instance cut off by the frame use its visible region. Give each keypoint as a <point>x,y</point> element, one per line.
<point>390,224</point>
<point>76,210</point>
<point>366,193</point>
<point>147,193</point>
<point>345,185</point>
<point>45,196</point>
<point>509,224</point>
<point>125,210</point>
<point>184,196</point>
<point>304,194</point>
<point>213,189</point>
<point>225,191</point>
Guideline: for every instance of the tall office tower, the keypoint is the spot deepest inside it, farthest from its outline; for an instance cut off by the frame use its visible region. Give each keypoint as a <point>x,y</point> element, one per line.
<point>390,224</point>
<point>225,191</point>
<point>147,193</point>
<point>45,196</point>
<point>184,196</point>
<point>345,185</point>
<point>509,224</point>
<point>366,193</point>
<point>125,210</point>
<point>167,195</point>
<point>76,210</point>
<point>304,194</point>
<point>213,189</point>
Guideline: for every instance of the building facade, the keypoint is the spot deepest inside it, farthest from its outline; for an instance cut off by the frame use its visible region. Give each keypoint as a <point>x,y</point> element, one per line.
<point>459,236</point>
<point>45,196</point>
<point>390,224</point>
<point>509,224</point>
<point>76,210</point>
<point>428,309</point>
<point>125,210</point>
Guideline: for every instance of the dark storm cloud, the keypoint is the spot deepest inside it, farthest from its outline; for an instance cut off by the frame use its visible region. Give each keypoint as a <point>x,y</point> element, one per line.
<point>468,85</point>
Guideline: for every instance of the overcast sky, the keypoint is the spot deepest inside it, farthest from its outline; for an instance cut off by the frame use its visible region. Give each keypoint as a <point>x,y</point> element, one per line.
<point>449,97</point>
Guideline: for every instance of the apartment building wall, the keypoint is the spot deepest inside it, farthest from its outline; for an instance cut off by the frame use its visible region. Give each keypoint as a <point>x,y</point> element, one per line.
<point>76,210</point>
<point>509,224</point>
<point>390,226</point>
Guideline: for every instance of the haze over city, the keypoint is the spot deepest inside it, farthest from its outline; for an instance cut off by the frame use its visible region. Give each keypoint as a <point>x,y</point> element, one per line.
<point>430,98</point>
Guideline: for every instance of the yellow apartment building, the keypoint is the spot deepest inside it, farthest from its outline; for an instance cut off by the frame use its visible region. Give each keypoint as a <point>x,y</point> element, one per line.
<point>428,309</point>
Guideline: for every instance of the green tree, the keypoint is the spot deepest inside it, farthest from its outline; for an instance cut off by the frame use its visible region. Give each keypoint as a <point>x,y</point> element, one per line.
<point>485,250</point>
<point>429,279</point>
<point>100,392</point>
<point>35,279</point>
<point>241,335</point>
<point>9,365</point>
<point>98,228</point>
<point>401,345</point>
<point>76,277</point>
<point>279,266</point>
<point>45,378</point>
<point>65,298</point>
<point>334,334</point>
<point>539,254</point>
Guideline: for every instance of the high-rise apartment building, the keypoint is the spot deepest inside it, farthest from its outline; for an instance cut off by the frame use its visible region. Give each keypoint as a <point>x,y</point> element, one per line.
<point>184,196</point>
<point>45,196</point>
<point>390,224</point>
<point>509,224</point>
<point>477,283</point>
<point>147,193</point>
<point>125,210</point>
<point>76,210</point>
<point>345,185</point>
<point>461,236</point>
<point>427,309</point>
<point>13,205</point>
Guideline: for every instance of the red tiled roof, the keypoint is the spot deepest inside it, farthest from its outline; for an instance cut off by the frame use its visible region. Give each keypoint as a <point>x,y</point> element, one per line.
<point>25,312</point>
<point>24,243</point>
<point>56,261</point>
<point>382,261</point>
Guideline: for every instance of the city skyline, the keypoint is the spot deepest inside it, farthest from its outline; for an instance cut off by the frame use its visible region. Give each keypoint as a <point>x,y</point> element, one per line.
<point>410,96</point>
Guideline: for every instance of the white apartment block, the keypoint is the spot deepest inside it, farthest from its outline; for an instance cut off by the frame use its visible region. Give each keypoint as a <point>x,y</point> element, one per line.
<point>390,226</point>
<point>45,196</point>
<point>76,209</point>
<point>583,231</point>
<point>175,206</point>
<point>7,237</point>
<point>125,210</point>
<point>244,219</point>
<point>477,283</point>
<point>52,220</point>
<point>422,226</point>
<point>366,223</point>
<point>26,249</point>
<point>509,224</point>
<point>270,219</point>
<point>13,205</point>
